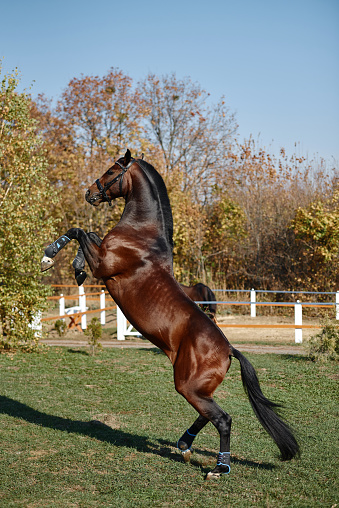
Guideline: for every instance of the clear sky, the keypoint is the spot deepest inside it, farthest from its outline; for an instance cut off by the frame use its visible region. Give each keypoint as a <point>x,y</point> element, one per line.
<point>277,63</point>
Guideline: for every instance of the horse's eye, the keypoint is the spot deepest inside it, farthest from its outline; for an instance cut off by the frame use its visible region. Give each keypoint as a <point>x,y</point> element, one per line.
<point>110,172</point>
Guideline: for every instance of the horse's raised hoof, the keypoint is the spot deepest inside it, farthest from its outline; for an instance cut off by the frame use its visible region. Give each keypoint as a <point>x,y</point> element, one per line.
<point>46,263</point>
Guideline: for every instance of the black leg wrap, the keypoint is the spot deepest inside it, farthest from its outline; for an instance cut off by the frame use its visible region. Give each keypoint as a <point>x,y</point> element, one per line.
<point>52,250</point>
<point>79,265</point>
<point>186,440</point>
<point>79,260</point>
<point>223,466</point>
<point>224,460</point>
<point>80,276</point>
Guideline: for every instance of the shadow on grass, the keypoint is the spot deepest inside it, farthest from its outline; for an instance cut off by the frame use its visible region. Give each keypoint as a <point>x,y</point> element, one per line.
<point>78,351</point>
<point>102,432</point>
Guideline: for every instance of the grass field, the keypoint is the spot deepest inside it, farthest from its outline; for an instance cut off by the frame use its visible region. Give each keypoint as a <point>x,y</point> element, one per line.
<point>83,431</point>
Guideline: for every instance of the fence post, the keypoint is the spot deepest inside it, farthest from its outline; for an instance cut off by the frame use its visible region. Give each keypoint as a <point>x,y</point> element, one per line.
<point>337,305</point>
<point>253,306</point>
<point>61,305</point>
<point>102,306</point>
<point>82,305</point>
<point>298,320</point>
<point>121,324</point>
<point>36,324</point>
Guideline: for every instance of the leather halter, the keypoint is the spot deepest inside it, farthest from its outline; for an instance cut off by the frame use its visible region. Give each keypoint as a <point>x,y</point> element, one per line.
<point>102,190</point>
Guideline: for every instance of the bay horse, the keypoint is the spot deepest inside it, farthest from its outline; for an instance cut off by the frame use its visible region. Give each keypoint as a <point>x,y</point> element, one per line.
<point>204,296</point>
<point>135,262</point>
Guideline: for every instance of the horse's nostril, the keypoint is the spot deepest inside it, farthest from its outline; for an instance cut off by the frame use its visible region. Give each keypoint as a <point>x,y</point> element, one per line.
<point>87,195</point>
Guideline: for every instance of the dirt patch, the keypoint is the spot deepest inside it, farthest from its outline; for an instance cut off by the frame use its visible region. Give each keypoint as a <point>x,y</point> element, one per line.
<point>267,335</point>
<point>109,420</point>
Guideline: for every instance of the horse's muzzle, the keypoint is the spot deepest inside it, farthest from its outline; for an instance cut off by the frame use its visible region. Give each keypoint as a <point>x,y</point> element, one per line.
<point>92,199</point>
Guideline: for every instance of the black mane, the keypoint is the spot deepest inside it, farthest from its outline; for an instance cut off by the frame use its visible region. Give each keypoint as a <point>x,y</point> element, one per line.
<point>160,187</point>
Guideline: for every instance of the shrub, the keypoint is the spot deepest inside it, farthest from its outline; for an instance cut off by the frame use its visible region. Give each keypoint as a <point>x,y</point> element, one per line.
<point>94,333</point>
<point>61,327</point>
<point>325,345</point>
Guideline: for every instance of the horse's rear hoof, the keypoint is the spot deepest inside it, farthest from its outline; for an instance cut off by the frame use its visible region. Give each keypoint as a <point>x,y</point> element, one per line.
<point>186,455</point>
<point>218,472</point>
<point>213,476</point>
<point>46,263</point>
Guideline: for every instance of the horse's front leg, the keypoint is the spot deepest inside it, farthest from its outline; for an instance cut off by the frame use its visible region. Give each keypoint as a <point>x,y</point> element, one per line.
<point>79,261</point>
<point>89,249</point>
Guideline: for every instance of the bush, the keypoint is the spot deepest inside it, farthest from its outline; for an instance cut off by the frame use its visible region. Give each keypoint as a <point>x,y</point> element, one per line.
<point>325,345</point>
<point>61,327</point>
<point>94,333</point>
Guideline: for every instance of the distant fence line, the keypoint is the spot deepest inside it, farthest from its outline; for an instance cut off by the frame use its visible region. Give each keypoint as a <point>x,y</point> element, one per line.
<point>78,314</point>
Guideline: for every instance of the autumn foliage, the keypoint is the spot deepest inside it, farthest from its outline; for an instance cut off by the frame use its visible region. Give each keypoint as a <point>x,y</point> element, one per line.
<point>26,222</point>
<point>242,217</point>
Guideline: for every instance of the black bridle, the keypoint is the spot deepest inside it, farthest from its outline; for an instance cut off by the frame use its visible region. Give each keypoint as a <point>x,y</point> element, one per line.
<point>102,190</point>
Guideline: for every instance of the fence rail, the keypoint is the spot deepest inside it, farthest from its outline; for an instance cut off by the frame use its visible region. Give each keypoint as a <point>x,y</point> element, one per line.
<point>77,314</point>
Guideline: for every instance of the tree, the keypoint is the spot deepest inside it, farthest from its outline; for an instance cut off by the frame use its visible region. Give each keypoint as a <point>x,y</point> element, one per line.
<point>94,119</point>
<point>105,113</point>
<point>316,230</point>
<point>189,134</point>
<point>269,189</point>
<point>192,141</point>
<point>225,232</point>
<point>26,218</point>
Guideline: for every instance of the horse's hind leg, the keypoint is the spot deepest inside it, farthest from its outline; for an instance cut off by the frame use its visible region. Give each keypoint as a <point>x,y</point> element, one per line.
<point>186,440</point>
<point>222,422</point>
<point>198,390</point>
<point>79,260</point>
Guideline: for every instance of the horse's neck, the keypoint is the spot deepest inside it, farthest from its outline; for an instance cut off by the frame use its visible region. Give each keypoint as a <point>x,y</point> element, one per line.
<point>143,208</point>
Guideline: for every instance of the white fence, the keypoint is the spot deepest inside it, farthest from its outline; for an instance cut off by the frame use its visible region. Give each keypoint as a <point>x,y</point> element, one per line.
<point>124,329</point>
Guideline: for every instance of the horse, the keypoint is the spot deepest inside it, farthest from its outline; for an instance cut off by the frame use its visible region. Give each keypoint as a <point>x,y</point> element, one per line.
<point>135,261</point>
<point>204,296</point>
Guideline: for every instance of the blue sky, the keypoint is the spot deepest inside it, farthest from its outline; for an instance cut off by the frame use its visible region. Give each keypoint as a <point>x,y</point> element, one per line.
<point>276,63</point>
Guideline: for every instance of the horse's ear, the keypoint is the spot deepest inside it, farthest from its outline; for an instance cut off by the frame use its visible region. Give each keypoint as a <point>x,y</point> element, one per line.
<point>127,158</point>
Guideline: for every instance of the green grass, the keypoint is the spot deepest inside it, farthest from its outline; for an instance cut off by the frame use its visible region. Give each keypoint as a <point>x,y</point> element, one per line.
<point>83,431</point>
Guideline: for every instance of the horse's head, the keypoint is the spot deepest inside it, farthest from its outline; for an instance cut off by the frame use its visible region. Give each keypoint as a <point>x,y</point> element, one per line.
<point>109,186</point>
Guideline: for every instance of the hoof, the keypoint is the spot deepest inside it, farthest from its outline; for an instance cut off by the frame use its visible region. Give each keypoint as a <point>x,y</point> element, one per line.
<point>46,263</point>
<point>186,455</point>
<point>213,476</point>
<point>218,472</point>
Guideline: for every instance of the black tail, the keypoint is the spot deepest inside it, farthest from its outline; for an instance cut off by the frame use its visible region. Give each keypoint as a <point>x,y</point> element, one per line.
<point>263,408</point>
